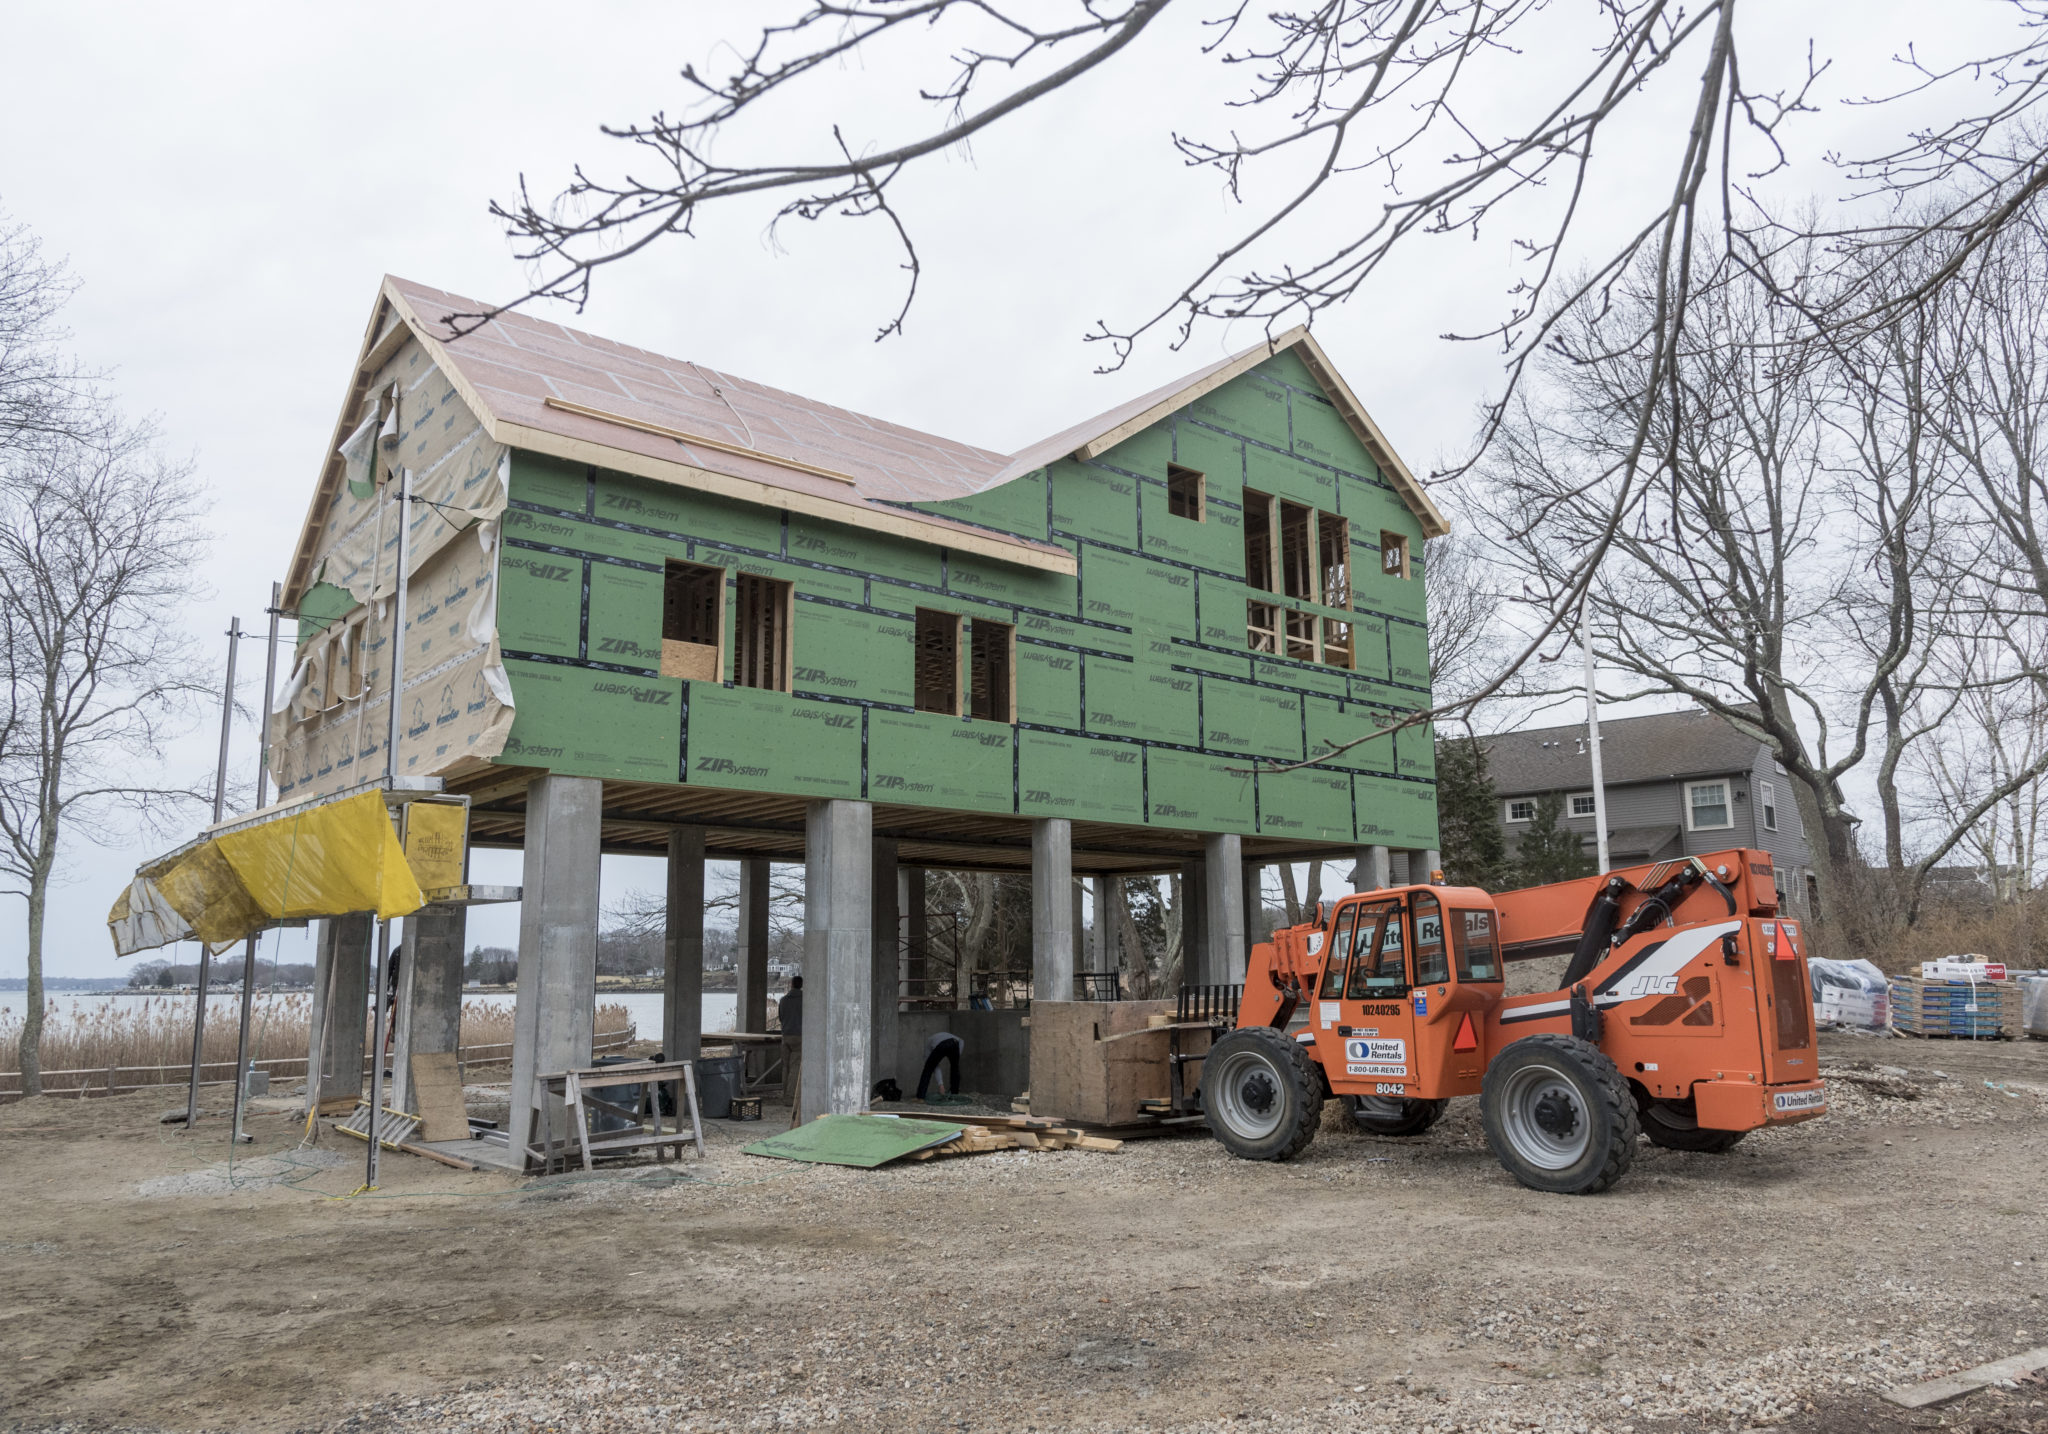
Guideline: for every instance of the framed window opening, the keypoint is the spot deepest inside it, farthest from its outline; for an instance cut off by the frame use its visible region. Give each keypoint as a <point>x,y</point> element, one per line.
<point>1185,496</point>
<point>1301,635</point>
<point>1393,555</point>
<point>1333,555</point>
<point>1262,627</point>
<point>936,678</point>
<point>1582,805</point>
<point>1767,802</point>
<point>1521,809</point>
<point>1336,642</point>
<point>991,672</point>
<point>1297,566</point>
<point>1707,806</point>
<point>693,622</point>
<point>1260,554</point>
<point>761,635</point>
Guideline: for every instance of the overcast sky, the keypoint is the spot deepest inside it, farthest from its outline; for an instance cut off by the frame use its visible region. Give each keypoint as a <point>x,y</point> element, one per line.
<point>229,182</point>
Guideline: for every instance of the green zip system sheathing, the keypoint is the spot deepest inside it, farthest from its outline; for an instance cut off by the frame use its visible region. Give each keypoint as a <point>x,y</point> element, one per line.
<point>1138,700</point>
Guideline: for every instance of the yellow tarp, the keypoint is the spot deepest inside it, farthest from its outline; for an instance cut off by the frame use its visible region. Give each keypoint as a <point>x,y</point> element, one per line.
<point>326,860</point>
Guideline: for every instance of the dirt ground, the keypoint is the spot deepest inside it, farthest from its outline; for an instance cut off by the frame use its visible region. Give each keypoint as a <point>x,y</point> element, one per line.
<point>1373,1284</point>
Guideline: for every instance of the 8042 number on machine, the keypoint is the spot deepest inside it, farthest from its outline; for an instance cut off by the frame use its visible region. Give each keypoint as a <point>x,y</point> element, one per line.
<point>1376,1058</point>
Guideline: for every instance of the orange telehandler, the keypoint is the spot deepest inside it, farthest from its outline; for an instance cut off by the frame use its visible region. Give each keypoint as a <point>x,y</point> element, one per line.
<point>1684,1015</point>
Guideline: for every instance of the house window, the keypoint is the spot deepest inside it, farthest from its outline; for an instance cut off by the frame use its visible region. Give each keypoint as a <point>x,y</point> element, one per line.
<point>1336,642</point>
<point>1301,635</point>
<point>1262,626</point>
<point>1582,804</point>
<point>1706,805</point>
<point>692,621</point>
<point>1333,551</point>
<point>1778,882</point>
<point>1767,798</point>
<point>1297,571</point>
<point>1183,492</point>
<point>1521,809</point>
<point>938,662</point>
<point>1393,555</point>
<point>761,636</point>
<point>990,671</point>
<point>1258,541</point>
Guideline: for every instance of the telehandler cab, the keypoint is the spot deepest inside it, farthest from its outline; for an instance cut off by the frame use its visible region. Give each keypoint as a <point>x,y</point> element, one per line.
<point>1684,1015</point>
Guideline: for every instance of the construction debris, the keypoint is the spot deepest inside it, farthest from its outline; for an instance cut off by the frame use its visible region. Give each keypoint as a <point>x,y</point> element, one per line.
<point>880,1137</point>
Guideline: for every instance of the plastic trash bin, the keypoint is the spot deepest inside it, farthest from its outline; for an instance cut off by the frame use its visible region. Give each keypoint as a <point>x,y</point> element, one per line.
<point>719,1079</point>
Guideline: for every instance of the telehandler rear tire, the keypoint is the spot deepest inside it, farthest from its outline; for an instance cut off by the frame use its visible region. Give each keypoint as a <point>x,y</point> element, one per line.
<point>1261,1094</point>
<point>1673,1125</point>
<point>1558,1115</point>
<point>1394,1115</point>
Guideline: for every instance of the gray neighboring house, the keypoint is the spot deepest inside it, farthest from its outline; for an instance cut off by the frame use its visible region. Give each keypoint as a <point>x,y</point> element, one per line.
<point>1678,784</point>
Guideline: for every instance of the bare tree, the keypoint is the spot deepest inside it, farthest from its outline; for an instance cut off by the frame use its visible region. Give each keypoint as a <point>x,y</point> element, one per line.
<point>99,541</point>
<point>39,387</point>
<point>1382,113</point>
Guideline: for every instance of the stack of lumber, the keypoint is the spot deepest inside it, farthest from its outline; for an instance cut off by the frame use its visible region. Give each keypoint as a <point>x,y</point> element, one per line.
<point>984,1133</point>
<point>1981,1010</point>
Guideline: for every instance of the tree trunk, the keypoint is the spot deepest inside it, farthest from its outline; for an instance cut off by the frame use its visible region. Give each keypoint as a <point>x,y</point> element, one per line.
<point>1289,895</point>
<point>32,1018</point>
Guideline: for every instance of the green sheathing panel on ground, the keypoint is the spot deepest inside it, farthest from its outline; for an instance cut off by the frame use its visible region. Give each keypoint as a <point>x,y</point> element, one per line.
<point>1137,698</point>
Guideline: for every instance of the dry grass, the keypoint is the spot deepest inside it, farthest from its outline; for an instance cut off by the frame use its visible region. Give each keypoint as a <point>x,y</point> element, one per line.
<point>150,1040</point>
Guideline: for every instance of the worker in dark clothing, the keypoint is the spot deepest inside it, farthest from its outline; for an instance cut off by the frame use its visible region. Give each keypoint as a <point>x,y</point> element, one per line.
<point>789,1011</point>
<point>945,1046</point>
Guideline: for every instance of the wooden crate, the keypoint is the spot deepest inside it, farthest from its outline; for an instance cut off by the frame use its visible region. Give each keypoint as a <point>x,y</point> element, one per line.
<point>1098,1062</point>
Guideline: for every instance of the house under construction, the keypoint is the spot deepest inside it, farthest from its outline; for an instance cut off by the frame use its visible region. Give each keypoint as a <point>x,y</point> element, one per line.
<point>655,609</point>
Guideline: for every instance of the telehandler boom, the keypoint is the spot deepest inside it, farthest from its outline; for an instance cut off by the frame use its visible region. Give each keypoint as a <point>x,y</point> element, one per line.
<point>1684,1015</point>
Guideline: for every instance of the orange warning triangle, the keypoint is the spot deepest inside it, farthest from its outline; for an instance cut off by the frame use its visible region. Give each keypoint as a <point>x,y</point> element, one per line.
<point>1468,1040</point>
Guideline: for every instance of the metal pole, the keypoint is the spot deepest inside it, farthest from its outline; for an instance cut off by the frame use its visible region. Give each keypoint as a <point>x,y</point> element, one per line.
<point>220,799</point>
<point>262,795</point>
<point>1593,742</point>
<point>377,1044</point>
<point>398,630</point>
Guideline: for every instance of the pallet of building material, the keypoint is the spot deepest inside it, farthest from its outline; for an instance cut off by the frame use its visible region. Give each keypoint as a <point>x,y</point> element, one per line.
<point>1932,1007</point>
<point>394,1127</point>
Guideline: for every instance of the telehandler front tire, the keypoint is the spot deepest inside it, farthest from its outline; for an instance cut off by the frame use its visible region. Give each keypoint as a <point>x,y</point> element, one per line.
<point>1673,1125</point>
<point>1558,1115</point>
<point>1394,1115</point>
<point>1261,1094</point>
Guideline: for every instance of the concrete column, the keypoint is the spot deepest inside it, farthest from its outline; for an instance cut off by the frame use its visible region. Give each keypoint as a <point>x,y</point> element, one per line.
<point>682,964</point>
<point>1431,861</point>
<point>429,994</point>
<point>1224,926</point>
<point>887,958</point>
<point>1194,909</point>
<point>344,951</point>
<point>750,962</point>
<point>917,931</point>
<point>1374,871</point>
<point>1099,949</point>
<point>838,955</point>
<point>555,1006</point>
<point>1052,909</point>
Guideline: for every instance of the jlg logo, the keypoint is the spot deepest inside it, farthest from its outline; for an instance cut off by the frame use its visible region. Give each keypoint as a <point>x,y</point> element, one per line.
<point>1651,986</point>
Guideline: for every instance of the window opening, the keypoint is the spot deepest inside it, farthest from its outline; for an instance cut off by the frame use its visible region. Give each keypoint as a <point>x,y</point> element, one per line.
<point>1333,547</point>
<point>1478,950</point>
<point>1262,626</point>
<point>1301,635</point>
<point>1767,798</point>
<point>1258,541</point>
<point>938,662</point>
<point>1379,968</point>
<point>1708,804</point>
<point>1336,642</point>
<point>761,640</point>
<point>1297,574</point>
<point>1393,555</point>
<point>1184,492</point>
<point>1582,804</point>
<point>692,624</point>
<point>1521,809</point>
<point>1340,944</point>
<point>989,672</point>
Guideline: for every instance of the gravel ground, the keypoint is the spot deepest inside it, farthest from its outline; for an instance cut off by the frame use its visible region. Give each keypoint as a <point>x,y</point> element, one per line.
<point>1371,1285</point>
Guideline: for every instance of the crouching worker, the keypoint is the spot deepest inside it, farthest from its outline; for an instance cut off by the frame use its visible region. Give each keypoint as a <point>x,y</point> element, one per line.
<point>945,1046</point>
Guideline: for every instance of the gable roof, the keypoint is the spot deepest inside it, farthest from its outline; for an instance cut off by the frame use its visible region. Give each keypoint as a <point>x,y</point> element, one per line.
<point>549,389</point>
<point>1664,746</point>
